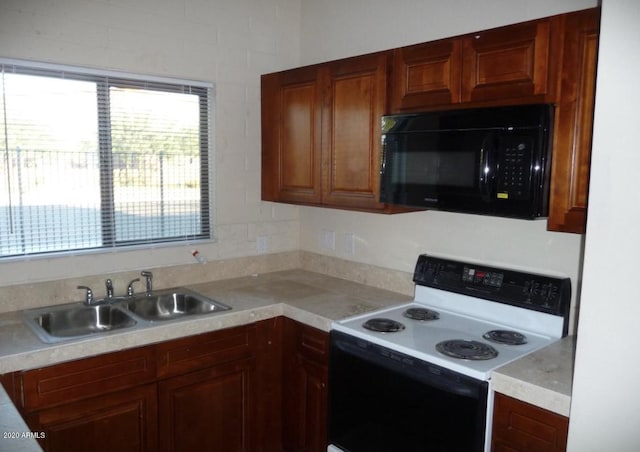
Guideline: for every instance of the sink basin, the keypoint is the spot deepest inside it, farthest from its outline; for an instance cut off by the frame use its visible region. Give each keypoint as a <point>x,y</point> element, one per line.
<point>172,304</point>
<point>76,320</point>
<point>64,322</point>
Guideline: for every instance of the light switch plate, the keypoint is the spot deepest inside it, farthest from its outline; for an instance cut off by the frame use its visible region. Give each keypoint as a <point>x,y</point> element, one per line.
<point>328,239</point>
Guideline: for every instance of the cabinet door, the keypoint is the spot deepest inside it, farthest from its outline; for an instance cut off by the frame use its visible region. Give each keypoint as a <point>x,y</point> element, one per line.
<point>305,390</point>
<point>513,62</point>
<point>307,430</point>
<point>208,410</point>
<point>519,426</point>
<point>351,144</point>
<point>574,124</point>
<point>121,421</point>
<point>291,133</point>
<point>426,75</point>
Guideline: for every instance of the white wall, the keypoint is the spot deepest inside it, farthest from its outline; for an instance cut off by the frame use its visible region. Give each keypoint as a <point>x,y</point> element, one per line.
<point>605,409</point>
<point>334,29</point>
<point>226,42</point>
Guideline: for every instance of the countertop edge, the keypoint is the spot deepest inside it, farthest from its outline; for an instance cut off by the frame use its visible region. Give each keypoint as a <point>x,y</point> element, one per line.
<point>531,393</point>
<point>16,435</point>
<point>542,378</point>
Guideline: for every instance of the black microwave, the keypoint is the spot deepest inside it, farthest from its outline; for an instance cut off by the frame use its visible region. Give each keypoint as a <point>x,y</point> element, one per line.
<point>492,161</point>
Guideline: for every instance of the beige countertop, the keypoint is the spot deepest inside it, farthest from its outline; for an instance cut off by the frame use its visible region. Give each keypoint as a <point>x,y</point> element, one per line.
<point>542,378</point>
<point>311,298</point>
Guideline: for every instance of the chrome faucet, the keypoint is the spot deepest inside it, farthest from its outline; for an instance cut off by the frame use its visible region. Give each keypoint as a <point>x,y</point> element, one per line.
<point>89,296</point>
<point>149,281</point>
<point>109,286</point>
<point>130,287</point>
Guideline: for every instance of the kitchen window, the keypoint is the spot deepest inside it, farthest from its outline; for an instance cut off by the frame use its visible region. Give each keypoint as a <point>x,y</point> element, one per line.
<point>90,160</point>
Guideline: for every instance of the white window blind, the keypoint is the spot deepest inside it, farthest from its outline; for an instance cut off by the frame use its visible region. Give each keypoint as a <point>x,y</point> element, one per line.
<point>97,161</point>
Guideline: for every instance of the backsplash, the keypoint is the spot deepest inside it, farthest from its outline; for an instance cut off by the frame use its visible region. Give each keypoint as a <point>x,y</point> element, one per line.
<point>26,296</point>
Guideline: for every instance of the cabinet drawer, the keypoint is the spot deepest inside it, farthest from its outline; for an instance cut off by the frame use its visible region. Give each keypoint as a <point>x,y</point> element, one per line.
<point>204,350</point>
<point>520,426</point>
<point>76,380</point>
<point>308,342</point>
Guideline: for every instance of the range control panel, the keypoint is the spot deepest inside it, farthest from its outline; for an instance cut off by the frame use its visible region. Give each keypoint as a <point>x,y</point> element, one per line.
<point>527,290</point>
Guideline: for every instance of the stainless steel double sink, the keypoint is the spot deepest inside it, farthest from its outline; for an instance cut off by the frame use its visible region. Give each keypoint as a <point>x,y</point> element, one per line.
<point>78,320</point>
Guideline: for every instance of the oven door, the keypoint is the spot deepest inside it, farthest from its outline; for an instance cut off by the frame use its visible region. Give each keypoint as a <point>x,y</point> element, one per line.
<point>382,400</point>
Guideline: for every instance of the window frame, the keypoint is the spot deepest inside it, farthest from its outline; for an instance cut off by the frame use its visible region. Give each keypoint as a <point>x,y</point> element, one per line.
<point>106,79</point>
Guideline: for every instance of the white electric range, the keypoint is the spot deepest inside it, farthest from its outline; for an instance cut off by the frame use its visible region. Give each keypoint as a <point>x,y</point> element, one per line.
<point>465,320</point>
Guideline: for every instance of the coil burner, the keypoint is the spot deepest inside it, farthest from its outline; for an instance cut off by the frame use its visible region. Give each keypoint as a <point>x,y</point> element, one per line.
<point>422,314</point>
<point>464,349</point>
<point>382,325</point>
<point>506,337</point>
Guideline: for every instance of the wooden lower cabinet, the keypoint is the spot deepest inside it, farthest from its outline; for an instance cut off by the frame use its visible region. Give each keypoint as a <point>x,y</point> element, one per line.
<point>122,421</point>
<point>217,391</point>
<point>209,410</point>
<point>305,391</point>
<point>522,427</point>
<point>253,388</point>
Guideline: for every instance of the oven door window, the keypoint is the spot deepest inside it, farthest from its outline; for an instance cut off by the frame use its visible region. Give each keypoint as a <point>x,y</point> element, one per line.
<point>375,408</point>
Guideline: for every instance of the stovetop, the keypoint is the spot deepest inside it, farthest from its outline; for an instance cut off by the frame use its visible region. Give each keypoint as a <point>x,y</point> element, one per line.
<point>467,318</point>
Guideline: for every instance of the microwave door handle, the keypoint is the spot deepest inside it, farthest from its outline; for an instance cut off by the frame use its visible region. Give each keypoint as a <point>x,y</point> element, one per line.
<point>486,175</point>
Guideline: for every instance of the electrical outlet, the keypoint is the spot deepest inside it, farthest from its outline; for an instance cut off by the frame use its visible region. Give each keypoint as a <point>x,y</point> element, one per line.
<point>262,244</point>
<point>328,240</point>
<point>349,244</point>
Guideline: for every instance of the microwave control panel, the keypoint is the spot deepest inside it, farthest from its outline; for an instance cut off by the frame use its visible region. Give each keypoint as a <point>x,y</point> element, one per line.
<point>528,290</point>
<point>514,168</point>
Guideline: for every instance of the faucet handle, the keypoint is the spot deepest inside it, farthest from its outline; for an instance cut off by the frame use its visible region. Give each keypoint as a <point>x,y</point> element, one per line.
<point>89,296</point>
<point>109,285</point>
<point>130,287</point>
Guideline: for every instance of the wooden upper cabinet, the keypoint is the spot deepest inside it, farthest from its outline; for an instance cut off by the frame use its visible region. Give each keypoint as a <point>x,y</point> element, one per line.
<point>351,147</point>
<point>513,62</point>
<point>321,124</point>
<point>291,132</point>
<point>574,123</point>
<point>321,133</point>
<point>426,75</point>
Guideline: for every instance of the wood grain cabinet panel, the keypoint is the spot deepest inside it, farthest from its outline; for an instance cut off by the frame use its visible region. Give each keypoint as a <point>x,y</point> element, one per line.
<point>122,421</point>
<point>180,356</point>
<point>426,75</point>
<point>320,124</point>
<point>215,391</point>
<point>305,390</point>
<point>291,131</point>
<point>574,123</point>
<point>76,380</point>
<point>321,133</point>
<point>519,426</point>
<point>351,147</point>
<point>209,410</point>
<point>513,62</point>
